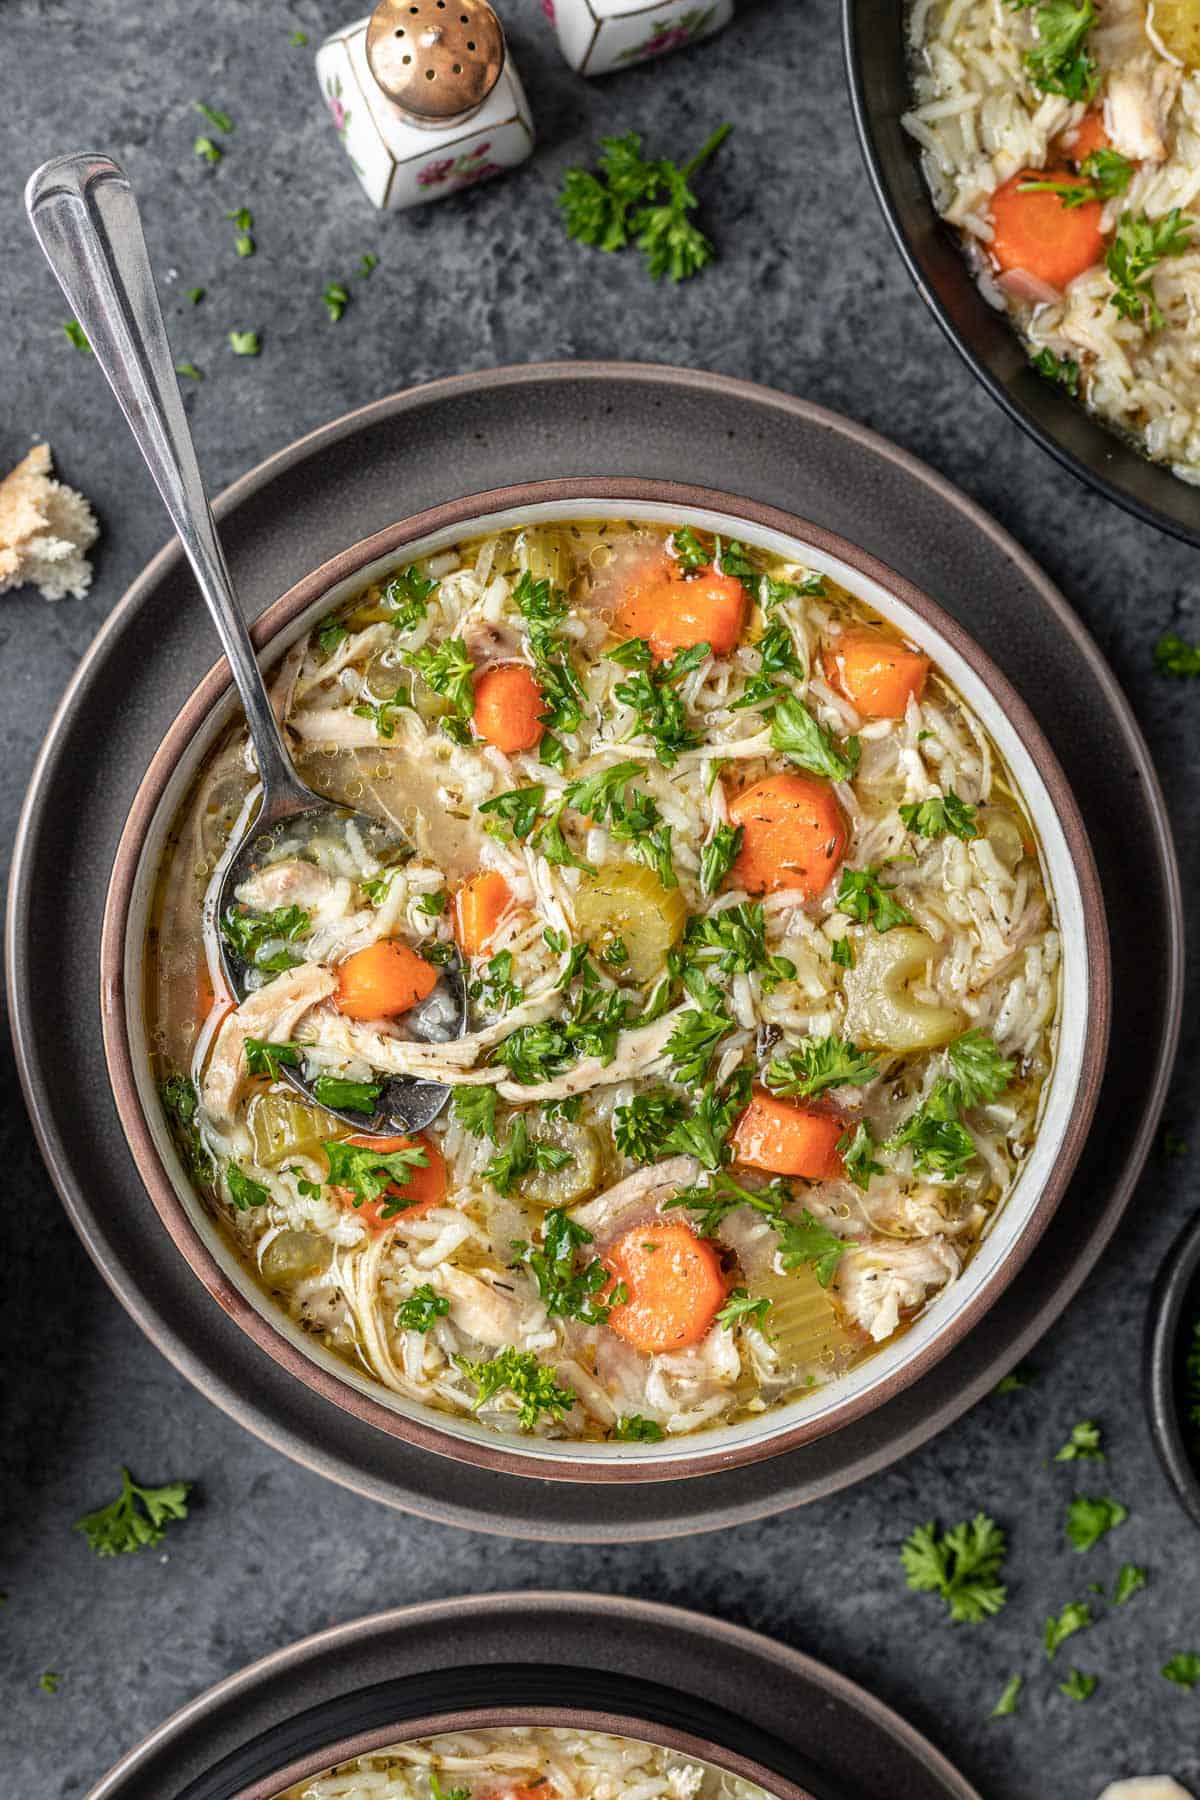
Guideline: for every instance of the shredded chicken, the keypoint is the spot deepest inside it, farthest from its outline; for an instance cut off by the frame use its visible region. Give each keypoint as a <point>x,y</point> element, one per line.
<point>647,1187</point>
<point>879,1280</point>
<point>272,1014</point>
<point>294,883</point>
<point>479,1308</point>
<point>1136,106</point>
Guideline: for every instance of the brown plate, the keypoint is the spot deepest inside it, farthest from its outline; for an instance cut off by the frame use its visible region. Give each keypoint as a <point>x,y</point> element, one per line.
<point>1067,1108</point>
<point>472,433</point>
<point>716,1691</point>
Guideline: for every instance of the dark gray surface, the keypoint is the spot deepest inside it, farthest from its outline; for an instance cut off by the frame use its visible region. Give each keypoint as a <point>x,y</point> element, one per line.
<point>811,297</point>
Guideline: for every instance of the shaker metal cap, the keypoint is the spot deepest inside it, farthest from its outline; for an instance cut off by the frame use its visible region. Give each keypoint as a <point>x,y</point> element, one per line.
<point>436,59</point>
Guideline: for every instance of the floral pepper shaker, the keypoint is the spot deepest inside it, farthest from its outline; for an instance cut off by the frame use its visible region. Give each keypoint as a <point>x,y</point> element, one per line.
<point>425,99</point>
<point>600,36</point>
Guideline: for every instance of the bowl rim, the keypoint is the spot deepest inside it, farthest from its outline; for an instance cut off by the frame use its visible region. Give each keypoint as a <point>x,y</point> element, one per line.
<point>502,1454</point>
<point>487,1718</point>
<point>882,188</point>
<point>1178,1278</point>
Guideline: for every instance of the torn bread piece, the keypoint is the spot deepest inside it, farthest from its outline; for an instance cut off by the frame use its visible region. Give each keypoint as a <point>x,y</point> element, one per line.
<point>45,530</point>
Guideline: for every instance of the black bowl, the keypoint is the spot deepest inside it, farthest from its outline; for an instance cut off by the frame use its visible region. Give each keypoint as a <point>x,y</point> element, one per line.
<point>877,64</point>
<point>1174,1305</point>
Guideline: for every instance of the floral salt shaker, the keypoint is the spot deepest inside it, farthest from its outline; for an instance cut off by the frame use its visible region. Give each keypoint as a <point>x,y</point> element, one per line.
<point>425,99</point>
<point>600,36</point>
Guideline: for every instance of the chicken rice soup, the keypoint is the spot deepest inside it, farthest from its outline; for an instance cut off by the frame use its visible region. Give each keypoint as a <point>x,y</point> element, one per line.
<point>762,974</point>
<point>1062,141</point>
<point>525,1763</point>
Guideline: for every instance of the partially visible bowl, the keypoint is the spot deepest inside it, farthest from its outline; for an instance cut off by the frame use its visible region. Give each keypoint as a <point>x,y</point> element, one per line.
<point>1067,1107</point>
<point>1174,1309</point>
<point>877,66</point>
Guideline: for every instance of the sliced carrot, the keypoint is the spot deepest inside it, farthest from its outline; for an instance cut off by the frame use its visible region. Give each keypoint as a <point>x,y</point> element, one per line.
<point>507,703</point>
<point>205,996</point>
<point>786,1138</point>
<point>425,1186</point>
<point>875,673</point>
<point>673,611</point>
<point>1036,232</point>
<point>1088,137</point>
<point>793,835</point>
<point>384,979</point>
<point>480,906</point>
<point>674,1284</point>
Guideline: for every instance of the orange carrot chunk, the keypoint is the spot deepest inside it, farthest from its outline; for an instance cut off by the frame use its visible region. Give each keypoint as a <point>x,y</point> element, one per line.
<point>1088,137</point>
<point>508,701</point>
<point>425,1187</point>
<point>673,611</point>
<point>875,673</point>
<point>674,1285</point>
<point>1036,232</point>
<point>785,1138</point>
<point>793,835</point>
<point>384,979</point>
<point>479,909</point>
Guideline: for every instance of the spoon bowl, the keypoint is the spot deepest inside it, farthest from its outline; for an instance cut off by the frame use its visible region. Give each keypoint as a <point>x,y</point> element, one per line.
<point>85,217</point>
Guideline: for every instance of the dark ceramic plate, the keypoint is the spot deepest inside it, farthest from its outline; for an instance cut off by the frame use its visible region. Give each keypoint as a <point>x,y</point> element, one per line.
<point>876,62</point>
<point>690,1682</point>
<point>464,436</point>
<point>1174,1307</point>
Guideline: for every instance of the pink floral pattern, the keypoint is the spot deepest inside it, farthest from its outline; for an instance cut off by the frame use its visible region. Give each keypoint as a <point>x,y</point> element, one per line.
<point>667,36</point>
<point>459,171</point>
<point>340,113</point>
<point>548,9</point>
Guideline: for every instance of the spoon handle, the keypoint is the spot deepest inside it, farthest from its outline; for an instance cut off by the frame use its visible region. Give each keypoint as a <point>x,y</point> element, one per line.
<point>84,213</point>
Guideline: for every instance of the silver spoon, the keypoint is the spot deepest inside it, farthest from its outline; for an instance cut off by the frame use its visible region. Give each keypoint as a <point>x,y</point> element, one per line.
<point>83,211</point>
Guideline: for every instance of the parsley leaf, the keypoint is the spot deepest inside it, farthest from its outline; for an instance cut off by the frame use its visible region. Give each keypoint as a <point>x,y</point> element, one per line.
<point>697,1032</point>
<point>348,1096</point>
<point>264,1059</point>
<point>718,856</point>
<point>519,1373</point>
<point>632,1428</point>
<point>337,298</point>
<point>221,120</point>
<point>1183,1669</point>
<point>1062,369</point>
<point>449,671</point>
<point>811,1243</point>
<point>1172,656</point>
<point>1091,1517</point>
<point>740,1307</point>
<point>777,656</point>
<point>250,935</point>
<point>641,1126</point>
<point>1130,1580</point>
<point>1083,1444</point>
<point>407,596</point>
<point>1060,63</point>
<point>1016,1379</point>
<point>940,1143</point>
<point>963,1566</point>
<point>1075,1616</point>
<point>702,1133</point>
<point>1007,1703</point>
<point>1078,1686</point>
<point>855,1149</point>
<point>329,633</point>
<point>818,1064</point>
<point>980,1072</point>
<point>475,1110</point>
<point>77,336</point>
<point>941,814</point>
<point>516,811</point>
<point>422,1309</point>
<point>652,695</point>
<point>1106,173</point>
<point>862,896</point>
<point>137,1517</point>
<point>799,737</point>
<point>734,941</point>
<point>1137,248</point>
<point>245,343</point>
<point>606,210</point>
<point>520,1156</point>
<point>243,1191</point>
<point>207,150</point>
<point>568,1292</point>
<point>495,989</point>
<point>370,1173</point>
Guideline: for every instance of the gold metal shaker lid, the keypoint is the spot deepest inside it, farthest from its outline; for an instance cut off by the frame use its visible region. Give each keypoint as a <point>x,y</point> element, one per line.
<point>436,59</point>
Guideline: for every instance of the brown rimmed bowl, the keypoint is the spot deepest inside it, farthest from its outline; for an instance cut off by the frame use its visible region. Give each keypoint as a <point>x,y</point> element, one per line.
<point>1173,1313</point>
<point>1067,1105</point>
<point>730,1696</point>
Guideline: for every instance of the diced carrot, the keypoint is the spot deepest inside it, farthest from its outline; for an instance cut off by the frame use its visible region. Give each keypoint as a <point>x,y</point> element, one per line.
<point>793,835</point>
<point>205,996</point>
<point>674,1284</point>
<point>1036,232</point>
<point>480,906</point>
<point>384,979</point>
<point>673,610</point>
<point>507,703</point>
<point>425,1187</point>
<point>1088,137</point>
<point>875,673</point>
<point>785,1138</point>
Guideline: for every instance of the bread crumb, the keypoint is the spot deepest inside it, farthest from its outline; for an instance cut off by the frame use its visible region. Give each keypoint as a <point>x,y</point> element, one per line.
<point>45,528</point>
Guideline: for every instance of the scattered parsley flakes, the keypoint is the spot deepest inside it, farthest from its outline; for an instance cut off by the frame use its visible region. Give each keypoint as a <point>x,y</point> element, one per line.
<point>1006,1705</point>
<point>1083,1444</point>
<point>1105,173</point>
<point>298,40</point>
<point>422,1309</point>
<point>796,734</point>
<point>1078,1686</point>
<point>567,1291</point>
<point>250,935</point>
<point>447,668</point>
<point>369,1174</point>
<point>1075,1616</point>
<point>719,855</point>
<point>1023,1376</point>
<point>49,1681</point>
<point>939,815</point>
<point>368,262</point>
<point>190,370</point>
<point>221,120</point>
<point>337,298</point>
<point>1137,248</point>
<point>1172,656</point>
<point>245,343</point>
<point>519,1373</point>
<point>205,148</point>
<point>856,1149</point>
<point>740,1308</point>
<point>862,897</point>
<point>1060,62</point>
<point>244,1191</point>
<point>137,1517</point>
<point>1183,1669</point>
<point>77,337</point>
<point>964,1567</point>
<point>1130,1580</point>
<point>819,1064</point>
<point>474,1109</point>
<point>195,295</point>
<point>980,1073</point>
<point>1063,370</point>
<point>632,1428</point>
<point>1091,1517</point>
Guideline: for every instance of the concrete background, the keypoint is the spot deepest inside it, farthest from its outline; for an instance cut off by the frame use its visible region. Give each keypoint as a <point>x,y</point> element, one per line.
<point>810,296</point>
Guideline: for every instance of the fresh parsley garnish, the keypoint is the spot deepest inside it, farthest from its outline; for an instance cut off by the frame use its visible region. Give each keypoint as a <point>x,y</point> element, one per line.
<point>1183,1669</point>
<point>77,336</point>
<point>329,633</point>
<point>346,1096</point>
<point>734,941</point>
<point>370,1173</point>
<point>336,296</point>
<point>939,1141</point>
<point>652,694</point>
<point>718,856</point>
<point>1138,246</point>
<point>1017,1379</point>
<point>648,201</point>
<point>382,713</point>
<point>1060,62</point>
<point>250,935</point>
<point>980,1072</point>
<point>804,1240</point>
<point>1078,1686</point>
<point>1083,1445</point>
<point>264,1059</point>
<point>567,1291</point>
<point>740,1309</point>
<point>189,370</point>
<point>1091,1517</point>
<point>777,656</point>
<point>1007,1703</point>
<point>521,1155</point>
<point>1106,173</point>
<point>207,151</point>
<point>964,1566</point>
<point>138,1517</point>
<point>245,343</point>
<point>1063,370</point>
<point>221,120</point>
<point>519,1373</point>
<point>698,1030</point>
<point>942,814</point>
<point>1172,656</point>
<point>1075,1616</point>
<point>1130,1580</point>
<point>818,1064</point>
<point>641,1126</point>
<point>407,596</point>
<point>632,1428</point>
<point>475,1110</point>
<point>798,736</point>
<point>244,1192</point>
<point>857,1151</point>
<point>449,671</point>
<point>422,1309</point>
<point>862,896</point>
